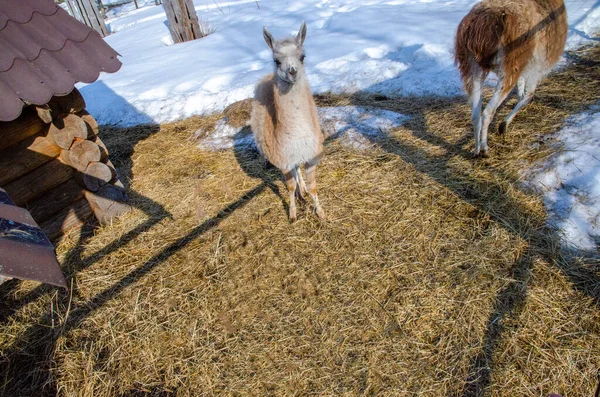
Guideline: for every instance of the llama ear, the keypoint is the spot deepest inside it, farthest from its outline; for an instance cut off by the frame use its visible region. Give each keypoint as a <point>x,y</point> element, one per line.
<point>268,37</point>
<point>301,34</point>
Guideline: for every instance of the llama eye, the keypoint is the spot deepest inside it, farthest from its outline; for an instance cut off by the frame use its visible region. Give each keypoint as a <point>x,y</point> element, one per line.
<point>277,62</point>
<point>302,58</point>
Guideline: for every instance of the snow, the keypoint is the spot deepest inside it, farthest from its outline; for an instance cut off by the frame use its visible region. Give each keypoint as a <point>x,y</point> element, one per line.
<point>354,126</point>
<point>570,182</point>
<point>392,47</point>
<point>358,126</point>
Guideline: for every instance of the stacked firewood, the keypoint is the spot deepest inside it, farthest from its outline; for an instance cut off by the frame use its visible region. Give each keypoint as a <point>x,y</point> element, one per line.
<point>75,132</point>
<point>53,163</point>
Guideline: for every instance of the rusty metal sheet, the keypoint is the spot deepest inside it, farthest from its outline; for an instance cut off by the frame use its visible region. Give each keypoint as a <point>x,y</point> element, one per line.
<point>25,251</point>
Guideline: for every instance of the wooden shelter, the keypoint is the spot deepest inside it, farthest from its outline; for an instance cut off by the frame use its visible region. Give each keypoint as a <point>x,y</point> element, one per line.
<point>52,161</point>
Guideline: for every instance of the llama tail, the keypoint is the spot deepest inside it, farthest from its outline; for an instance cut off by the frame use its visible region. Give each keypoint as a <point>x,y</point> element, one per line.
<point>478,39</point>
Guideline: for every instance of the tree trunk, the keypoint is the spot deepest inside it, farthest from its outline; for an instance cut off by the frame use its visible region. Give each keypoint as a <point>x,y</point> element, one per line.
<point>182,19</point>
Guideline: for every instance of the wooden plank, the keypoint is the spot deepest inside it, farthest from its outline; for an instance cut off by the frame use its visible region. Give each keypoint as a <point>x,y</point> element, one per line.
<point>26,156</point>
<point>13,132</point>
<point>71,217</point>
<point>38,181</point>
<point>55,200</point>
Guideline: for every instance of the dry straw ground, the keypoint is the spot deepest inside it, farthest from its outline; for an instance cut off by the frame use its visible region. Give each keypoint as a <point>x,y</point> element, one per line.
<point>435,274</point>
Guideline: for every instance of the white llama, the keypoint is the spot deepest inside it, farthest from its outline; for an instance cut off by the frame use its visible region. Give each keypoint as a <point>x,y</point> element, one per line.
<point>520,41</point>
<point>284,119</point>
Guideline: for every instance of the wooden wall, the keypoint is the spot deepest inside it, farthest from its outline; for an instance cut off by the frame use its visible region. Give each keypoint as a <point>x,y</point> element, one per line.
<point>53,163</point>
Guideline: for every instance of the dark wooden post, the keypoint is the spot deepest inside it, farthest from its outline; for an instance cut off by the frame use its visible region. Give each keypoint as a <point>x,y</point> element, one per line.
<point>182,19</point>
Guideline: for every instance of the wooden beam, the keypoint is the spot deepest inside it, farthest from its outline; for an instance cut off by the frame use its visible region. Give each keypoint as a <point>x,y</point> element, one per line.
<point>38,181</point>
<point>26,156</point>
<point>55,200</point>
<point>28,124</point>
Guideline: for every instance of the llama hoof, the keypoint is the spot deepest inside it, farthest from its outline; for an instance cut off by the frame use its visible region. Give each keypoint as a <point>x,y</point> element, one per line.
<point>481,155</point>
<point>321,214</point>
<point>502,128</point>
<point>292,217</point>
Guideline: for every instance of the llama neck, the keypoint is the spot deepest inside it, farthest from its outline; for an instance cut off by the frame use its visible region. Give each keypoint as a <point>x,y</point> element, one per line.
<point>293,98</point>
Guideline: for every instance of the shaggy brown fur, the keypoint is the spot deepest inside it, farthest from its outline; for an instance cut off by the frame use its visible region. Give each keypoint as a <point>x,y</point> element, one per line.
<point>502,33</point>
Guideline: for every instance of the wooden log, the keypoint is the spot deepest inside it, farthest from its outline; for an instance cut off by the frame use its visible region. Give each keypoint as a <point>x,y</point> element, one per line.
<point>96,175</point>
<point>55,200</point>
<point>103,148</point>
<point>73,102</point>
<point>24,157</point>
<point>44,113</point>
<point>82,153</point>
<point>38,181</point>
<point>91,123</point>
<point>63,131</point>
<point>73,216</point>
<point>108,203</point>
<point>28,124</point>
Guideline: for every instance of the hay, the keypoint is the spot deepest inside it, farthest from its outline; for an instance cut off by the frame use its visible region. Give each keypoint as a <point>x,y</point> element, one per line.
<point>434,275</point>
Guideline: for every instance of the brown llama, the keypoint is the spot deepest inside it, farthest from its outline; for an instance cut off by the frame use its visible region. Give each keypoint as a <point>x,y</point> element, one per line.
<point>284,119</point>
<point>520,41</point>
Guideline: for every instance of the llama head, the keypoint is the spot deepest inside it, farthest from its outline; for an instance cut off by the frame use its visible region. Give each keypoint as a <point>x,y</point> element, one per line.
<point>288,55</point>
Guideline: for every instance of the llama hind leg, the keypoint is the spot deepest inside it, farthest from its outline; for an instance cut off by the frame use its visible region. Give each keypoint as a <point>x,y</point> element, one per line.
<point>311,176</point>
<point>526,87</point>
<point>499,96</point>
<point>475,99</point>
<point>290,181</point>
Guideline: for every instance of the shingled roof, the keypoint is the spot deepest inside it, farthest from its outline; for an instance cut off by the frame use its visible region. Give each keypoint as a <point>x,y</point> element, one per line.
<point>44,52</point>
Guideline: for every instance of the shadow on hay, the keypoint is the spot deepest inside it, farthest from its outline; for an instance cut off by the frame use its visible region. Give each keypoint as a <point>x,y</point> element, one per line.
<point>489,198</point>
<point>37,343</point>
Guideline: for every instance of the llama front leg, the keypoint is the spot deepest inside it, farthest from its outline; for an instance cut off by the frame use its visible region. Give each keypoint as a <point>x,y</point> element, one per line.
<point>300,182</point>
<point>290,181</point>
<point>311,176</point>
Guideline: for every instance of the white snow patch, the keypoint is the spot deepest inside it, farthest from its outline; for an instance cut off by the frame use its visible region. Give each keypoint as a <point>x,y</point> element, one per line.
<point>224,136</point>
<point>570,182</point>
<point>358,126</point>
<point>355,126</point>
